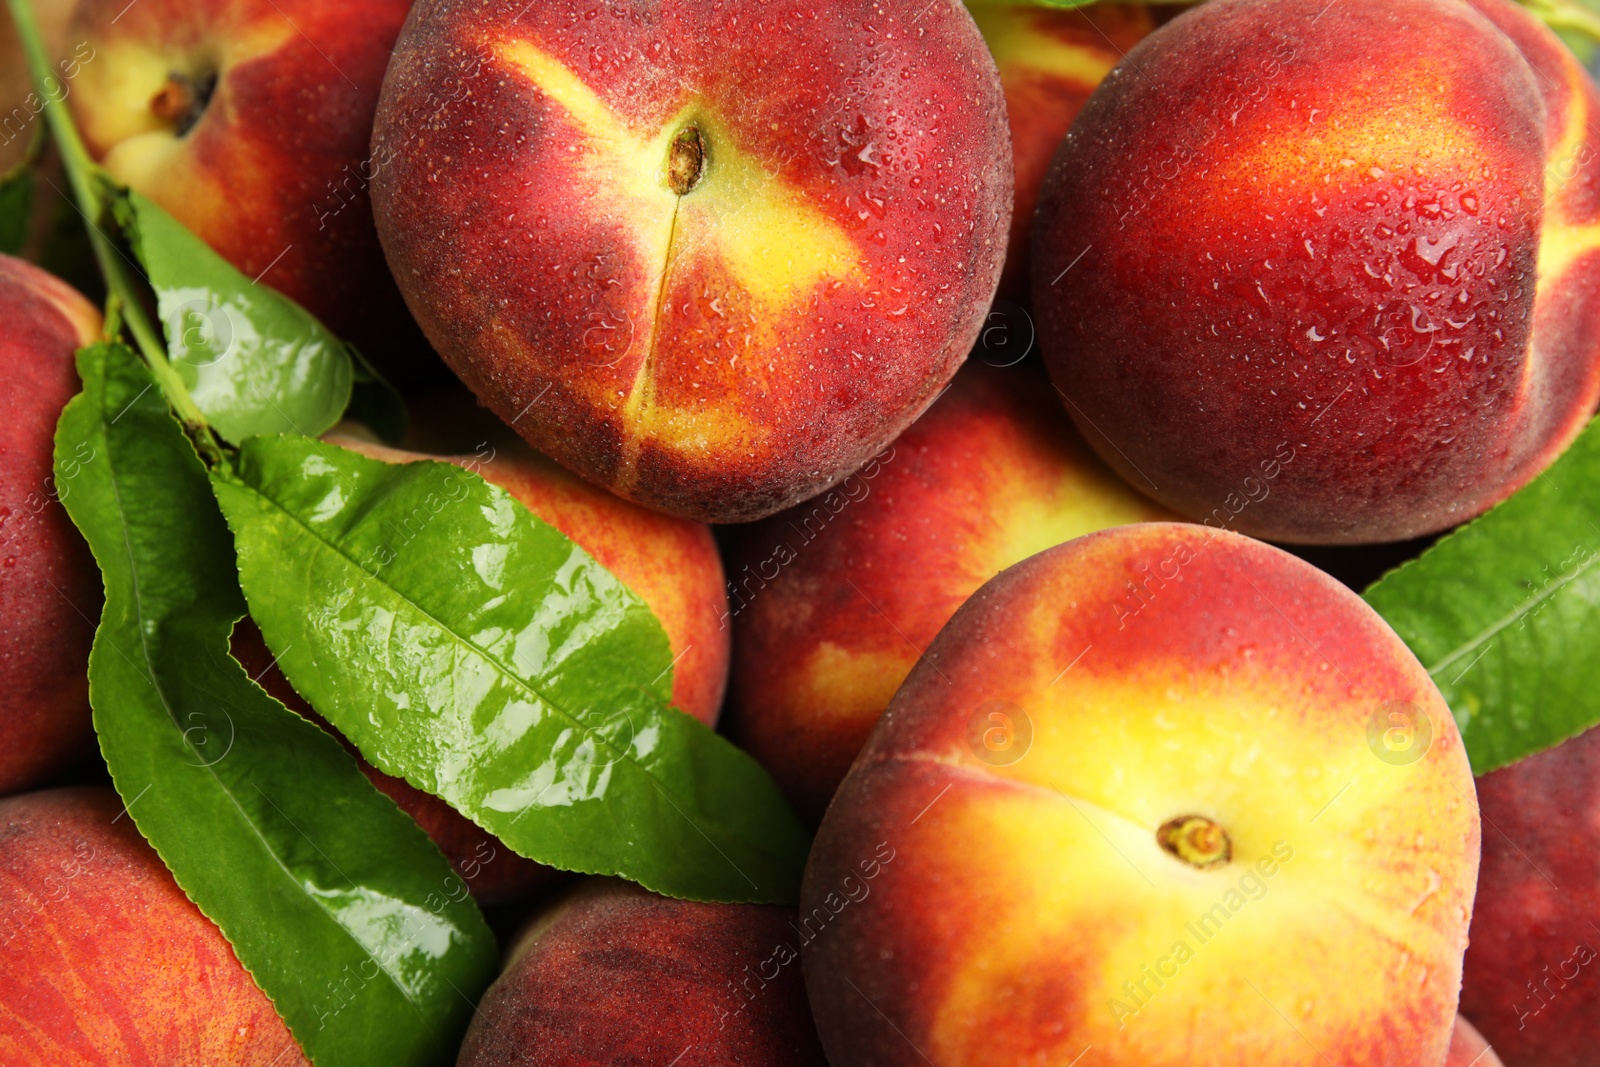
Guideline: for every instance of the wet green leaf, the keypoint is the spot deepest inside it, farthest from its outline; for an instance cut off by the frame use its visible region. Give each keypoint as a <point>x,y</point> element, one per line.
<point>253,360</point>
<point>346,914</point>
<point>474,650</point>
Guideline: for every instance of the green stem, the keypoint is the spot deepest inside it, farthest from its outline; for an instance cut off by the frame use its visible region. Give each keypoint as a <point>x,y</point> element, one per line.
<point>89,185</point>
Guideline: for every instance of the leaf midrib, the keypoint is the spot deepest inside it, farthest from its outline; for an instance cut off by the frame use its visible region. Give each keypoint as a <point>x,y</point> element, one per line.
<point>167,706</point>
<point>526,686</point>
<point>1521,611</point>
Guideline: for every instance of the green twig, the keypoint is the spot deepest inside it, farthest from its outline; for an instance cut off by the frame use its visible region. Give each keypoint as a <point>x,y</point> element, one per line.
<point>94,191</point>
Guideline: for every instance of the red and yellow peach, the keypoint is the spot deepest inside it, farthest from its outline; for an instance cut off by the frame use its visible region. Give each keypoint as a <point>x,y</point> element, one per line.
<point>712,257</point>
<point>107,961</point>
<point>250,123</point>
<point>1365,236</point>
<point>1211,814</point>
<point>832,602</point>
<point>1050,61</point>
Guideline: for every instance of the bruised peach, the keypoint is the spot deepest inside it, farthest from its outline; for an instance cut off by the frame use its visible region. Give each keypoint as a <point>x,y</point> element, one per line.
<point>1235,825</point>
<point>616,975</point>
<point>712,257</point>
<point>1328,273</point>
<point>832,602</point>
<point>49,588</point>
<point>107,961</point>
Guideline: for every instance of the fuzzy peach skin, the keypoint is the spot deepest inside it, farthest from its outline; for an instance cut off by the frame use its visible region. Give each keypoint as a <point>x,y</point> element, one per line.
<point>49,588</point>
<point>272,166</point>
<point>670,563</point>
<point>832,602</point>
<point>1028,910</point>
<point>1532,981</point>
<point>614,976</point>
<point>107,962</point>
<point>1050,61</point>
<point>724,351</point>
<point>1363,236</point>
<point>1469,1049</point>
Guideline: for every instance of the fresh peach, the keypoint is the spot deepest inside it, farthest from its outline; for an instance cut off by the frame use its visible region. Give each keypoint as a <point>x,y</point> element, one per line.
<point>1469,1049</point>
<point>613,975</point>
<point>1532,981</point>
<point>249,121</point>
<point>670,563</point>
<point>49,588</point>
<point>1050,61</point>
<point>1232,823</point>
<point>107,961</point>
<point>1329,273</point>
<point>710,256</point>
<point>833,602</point>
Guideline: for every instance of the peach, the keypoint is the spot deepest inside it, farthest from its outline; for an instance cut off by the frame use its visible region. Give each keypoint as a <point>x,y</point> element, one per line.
<point>1050,61</point>
<point>670,563</point>
<point>1532,981</point>
<point>107,961</point>
<point>1329,273</point>
<point>615,975</point>
<point>49,588</point>
<point>833,602</point>
<point>710,256</point>
<point>250,122</point>
<point>1469,1049</point>
<point>1234,824</point>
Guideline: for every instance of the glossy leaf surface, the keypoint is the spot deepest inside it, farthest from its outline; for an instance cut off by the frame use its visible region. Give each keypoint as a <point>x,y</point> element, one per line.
<point>337,903</point>
<point>473,649</point>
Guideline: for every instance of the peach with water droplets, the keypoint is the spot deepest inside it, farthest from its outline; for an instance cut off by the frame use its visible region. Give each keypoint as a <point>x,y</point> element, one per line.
<point>1238,826</point>
<point>1328,273</point>
<point>712,257</point>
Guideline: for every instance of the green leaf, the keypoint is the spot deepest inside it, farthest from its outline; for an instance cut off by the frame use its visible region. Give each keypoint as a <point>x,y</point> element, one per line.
<point>16,208</point>
<point>1505,613</point>
<point>375,402</point>
<point>254,361</point>
<point>334,900</point>
<point>467,646</point>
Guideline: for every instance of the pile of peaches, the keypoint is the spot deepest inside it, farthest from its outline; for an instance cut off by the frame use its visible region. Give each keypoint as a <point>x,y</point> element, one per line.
<point>967,389</point>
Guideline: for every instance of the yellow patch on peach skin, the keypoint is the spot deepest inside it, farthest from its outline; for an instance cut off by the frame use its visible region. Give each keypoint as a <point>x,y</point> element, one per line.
<point>1021,45</point>
<point>850,685</point>
<point>1367,138</point>
<point>769,240</point>
<point>1563,240</point>
<point>1085,497</point>
<point>1112,761</point>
